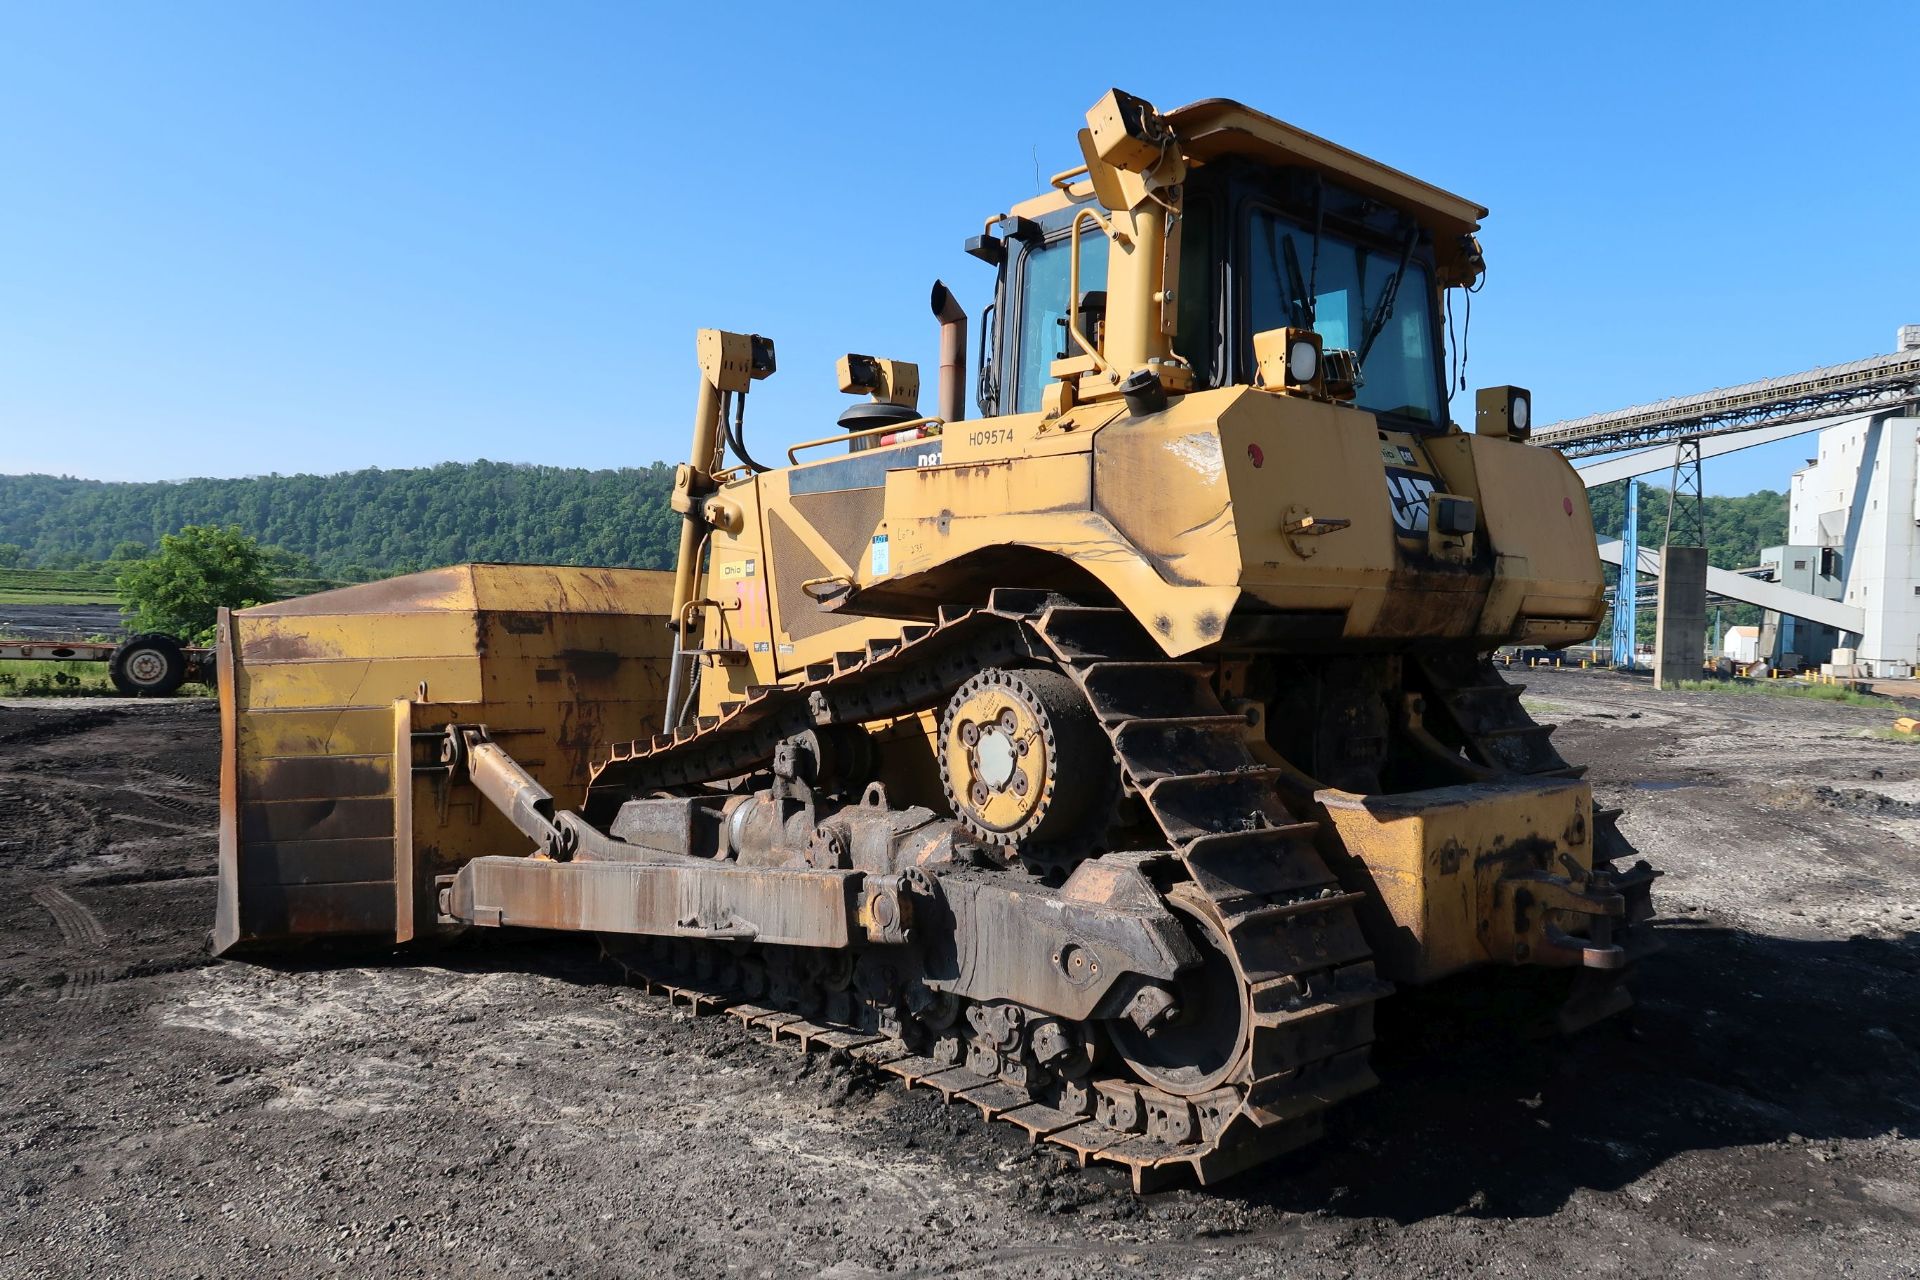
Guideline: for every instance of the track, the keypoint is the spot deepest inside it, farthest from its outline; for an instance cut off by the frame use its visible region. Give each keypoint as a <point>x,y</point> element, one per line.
<point>1236,861</point>
<point>1301,983</point>
<point>83,935</point>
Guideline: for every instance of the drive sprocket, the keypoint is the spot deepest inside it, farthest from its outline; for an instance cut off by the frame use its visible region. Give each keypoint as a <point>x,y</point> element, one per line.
<point>1025,766</point>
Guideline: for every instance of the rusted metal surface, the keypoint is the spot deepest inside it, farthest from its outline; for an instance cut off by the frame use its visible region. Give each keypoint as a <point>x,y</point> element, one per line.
<point>953,353</point>
<point>685,898</point>
<point>76,651</point>
<point>509,788</point>
<point>63,651</point>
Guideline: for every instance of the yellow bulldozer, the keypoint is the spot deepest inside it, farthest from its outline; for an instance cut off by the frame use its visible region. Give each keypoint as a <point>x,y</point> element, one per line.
<point>1098,762</point>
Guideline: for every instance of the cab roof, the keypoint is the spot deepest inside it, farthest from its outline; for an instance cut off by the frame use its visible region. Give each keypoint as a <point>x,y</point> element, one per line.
<point>1214,128</point>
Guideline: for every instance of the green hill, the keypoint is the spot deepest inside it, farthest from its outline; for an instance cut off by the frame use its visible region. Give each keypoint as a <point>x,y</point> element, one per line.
<point>361,524</point>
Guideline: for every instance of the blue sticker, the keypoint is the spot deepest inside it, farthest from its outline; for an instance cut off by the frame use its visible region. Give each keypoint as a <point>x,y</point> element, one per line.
<point>880,557</point>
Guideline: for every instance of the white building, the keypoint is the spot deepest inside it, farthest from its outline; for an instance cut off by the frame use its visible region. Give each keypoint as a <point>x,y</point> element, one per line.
<point>1742,644</point>
<point>1857,497</point>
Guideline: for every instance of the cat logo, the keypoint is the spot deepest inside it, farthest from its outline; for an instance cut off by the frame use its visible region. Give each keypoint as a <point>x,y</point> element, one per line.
<point>1409,491</point>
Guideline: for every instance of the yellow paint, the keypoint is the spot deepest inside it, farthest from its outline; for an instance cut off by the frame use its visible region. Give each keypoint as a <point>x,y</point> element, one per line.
<point>1431,862</point>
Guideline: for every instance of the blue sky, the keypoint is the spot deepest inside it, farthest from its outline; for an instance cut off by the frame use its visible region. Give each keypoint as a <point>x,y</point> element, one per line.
<point>237,239</point>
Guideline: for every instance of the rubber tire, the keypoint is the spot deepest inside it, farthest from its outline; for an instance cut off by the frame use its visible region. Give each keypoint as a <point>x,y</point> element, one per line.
<point>173,672</point>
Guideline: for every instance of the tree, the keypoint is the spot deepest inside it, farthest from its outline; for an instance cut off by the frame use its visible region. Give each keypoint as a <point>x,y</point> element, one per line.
<point>128,551</point>
<point>181,588</point>
<point>282,563</point>
<point>12,555</point>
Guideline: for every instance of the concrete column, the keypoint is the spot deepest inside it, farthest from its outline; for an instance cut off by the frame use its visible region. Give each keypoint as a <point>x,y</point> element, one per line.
<point>1680,634</point>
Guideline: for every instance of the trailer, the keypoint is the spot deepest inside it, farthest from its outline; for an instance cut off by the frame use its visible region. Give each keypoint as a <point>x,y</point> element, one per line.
<point>150,665</point>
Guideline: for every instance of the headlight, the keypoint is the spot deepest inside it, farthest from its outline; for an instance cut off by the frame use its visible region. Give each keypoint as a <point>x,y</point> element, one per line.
<point>1289,360</point>
<point>1303,360</point>
<point>1503,412</point>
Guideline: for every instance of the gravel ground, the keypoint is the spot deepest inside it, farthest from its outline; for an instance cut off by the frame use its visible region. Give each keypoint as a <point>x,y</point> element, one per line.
<point>502,1109</point>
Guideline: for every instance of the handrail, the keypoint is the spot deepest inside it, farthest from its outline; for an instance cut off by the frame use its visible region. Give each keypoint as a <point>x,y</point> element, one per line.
<point>686,614</point>
<point>1073,284</point>
<point>1064,179</point>
<point>885,429</point>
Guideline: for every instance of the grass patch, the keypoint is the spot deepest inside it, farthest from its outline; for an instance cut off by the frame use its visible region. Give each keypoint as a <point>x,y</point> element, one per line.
<point>55,680</point>
<point>59,597</point>
<point>1893,735</point>
<point>1540,706</point>
<point>1792,689</point>
<point>70,680</point>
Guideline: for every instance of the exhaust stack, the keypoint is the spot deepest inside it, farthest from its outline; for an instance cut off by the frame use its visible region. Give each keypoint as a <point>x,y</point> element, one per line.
<point>952,316</point>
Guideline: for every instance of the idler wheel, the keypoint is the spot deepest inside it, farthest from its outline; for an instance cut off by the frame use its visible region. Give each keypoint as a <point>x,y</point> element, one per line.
<point>1023,761</point>
<point>1203,1044</point>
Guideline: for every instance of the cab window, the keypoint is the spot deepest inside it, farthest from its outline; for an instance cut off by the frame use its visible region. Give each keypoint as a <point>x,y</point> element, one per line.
<point>1044,281</point>
<point>1197,334</point>
<point>1355,297</point>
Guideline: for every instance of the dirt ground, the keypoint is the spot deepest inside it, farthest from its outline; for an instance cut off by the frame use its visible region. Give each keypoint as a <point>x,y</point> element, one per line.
<point>504,1110</point>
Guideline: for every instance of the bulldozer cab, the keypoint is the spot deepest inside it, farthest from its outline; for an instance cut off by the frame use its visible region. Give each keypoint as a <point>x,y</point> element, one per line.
<point>1267,239</point>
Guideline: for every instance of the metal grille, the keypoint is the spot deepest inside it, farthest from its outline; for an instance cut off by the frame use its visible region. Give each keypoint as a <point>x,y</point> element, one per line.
<point>845,519</point>
<point>793,564</point>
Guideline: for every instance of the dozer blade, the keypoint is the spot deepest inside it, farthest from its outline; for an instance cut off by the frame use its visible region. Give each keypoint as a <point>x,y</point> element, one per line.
<point>330,826</point>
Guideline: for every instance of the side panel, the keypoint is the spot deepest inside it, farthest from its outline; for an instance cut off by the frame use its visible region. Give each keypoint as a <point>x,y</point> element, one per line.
<point>1226,499</point>
<point>824,519</point>
<point>1432,865</point>
<point>1548,587</point>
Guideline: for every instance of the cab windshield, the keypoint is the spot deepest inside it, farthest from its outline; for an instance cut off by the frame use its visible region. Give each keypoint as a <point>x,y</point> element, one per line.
<point>1353,297</point>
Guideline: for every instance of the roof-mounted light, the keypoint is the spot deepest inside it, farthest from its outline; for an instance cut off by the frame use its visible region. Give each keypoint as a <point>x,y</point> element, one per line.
<point>1503,411</point>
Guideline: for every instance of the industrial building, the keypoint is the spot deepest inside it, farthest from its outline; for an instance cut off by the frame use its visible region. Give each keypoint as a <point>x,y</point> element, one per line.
<point>1784,640</point>
<point>1848,577</point>
<point>1853,509</point>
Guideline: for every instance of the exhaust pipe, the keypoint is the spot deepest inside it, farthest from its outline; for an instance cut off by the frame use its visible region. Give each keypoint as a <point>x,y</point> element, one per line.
<point>953,353</point>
